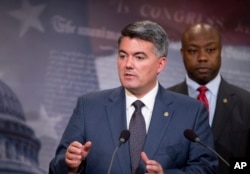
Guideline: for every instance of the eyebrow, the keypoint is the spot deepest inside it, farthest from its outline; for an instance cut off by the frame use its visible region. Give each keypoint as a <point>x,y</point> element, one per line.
<point>143,53</point>
<point>136,53</point>
<point>122,51</point>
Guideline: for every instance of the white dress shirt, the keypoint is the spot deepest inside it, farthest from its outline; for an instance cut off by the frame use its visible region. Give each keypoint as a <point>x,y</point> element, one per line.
<point>147,110</point>
<point>211,93</point>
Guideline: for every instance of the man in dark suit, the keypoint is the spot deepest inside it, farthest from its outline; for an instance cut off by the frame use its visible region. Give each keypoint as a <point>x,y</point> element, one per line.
<point>229,106</point>
<point>93,131</point>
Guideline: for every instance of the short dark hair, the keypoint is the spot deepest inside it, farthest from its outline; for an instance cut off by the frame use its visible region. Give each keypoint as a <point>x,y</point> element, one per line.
<point>149,31</point>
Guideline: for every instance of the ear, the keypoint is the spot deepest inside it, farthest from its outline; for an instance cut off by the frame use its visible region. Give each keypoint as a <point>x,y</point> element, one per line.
<point>162,64</point>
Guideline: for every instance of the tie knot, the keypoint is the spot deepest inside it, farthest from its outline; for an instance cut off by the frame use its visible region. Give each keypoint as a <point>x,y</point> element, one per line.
<point>138,104</point>
<point>202,89</point>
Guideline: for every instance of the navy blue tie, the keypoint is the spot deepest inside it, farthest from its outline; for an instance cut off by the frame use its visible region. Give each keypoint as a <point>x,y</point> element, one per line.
<point>137,130</point>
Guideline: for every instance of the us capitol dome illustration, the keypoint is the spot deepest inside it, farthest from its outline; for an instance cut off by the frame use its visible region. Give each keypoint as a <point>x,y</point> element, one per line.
<point>19,147</point>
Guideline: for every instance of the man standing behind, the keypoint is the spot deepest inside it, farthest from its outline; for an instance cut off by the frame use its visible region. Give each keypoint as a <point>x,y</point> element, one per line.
<point>228,105</point>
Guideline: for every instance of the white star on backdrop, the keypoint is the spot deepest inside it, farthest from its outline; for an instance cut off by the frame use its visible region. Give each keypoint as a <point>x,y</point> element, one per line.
<point>45,125</point>
<point>28,16</point>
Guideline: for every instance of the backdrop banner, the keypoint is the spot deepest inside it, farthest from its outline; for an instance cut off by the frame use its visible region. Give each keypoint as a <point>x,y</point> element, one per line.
<point>51,52</point>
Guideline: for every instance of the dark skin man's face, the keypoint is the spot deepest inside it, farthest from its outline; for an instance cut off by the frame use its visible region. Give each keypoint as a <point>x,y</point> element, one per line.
<point>201,52</point>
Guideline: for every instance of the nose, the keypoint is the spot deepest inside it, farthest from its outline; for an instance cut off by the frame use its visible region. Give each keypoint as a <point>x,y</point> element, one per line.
<point>202,56</point>
<point>129,62</point>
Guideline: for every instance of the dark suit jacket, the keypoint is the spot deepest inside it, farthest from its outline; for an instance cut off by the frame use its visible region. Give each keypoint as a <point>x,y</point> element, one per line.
<point>100,117</point>
<point>231,124</point>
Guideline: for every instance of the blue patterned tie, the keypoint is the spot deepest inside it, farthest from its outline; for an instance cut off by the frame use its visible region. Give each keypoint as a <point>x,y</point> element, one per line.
<point>137,130</point>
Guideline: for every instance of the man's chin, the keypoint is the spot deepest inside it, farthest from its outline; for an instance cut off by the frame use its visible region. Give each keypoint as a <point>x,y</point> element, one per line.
<point>131,88</point>
<point>202,81</point>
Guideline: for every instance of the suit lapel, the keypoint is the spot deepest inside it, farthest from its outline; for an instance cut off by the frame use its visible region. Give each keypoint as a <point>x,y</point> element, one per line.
<point>224,106</point>
<point>161,117</point>
<point>116,115</point>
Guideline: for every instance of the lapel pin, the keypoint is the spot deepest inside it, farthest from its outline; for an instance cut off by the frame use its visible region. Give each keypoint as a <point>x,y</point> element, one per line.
<point>225,100</point>
<point>166,114</point>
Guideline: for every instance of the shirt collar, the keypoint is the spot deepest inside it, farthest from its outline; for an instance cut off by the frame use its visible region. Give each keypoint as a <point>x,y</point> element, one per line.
<point>213,85</point>
<point>147,99</point>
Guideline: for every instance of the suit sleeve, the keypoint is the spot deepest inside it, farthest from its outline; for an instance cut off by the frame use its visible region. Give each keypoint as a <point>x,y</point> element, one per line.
<point>73,132</point>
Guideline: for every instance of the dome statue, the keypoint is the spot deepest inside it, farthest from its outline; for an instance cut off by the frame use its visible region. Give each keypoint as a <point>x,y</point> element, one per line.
<point>19,147</point>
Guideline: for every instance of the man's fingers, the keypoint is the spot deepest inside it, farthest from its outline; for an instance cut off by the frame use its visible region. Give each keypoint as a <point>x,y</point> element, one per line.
<point>144,157</point>
<point>87,146</point>
<point>74,156</point>
<point>151,165</point>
